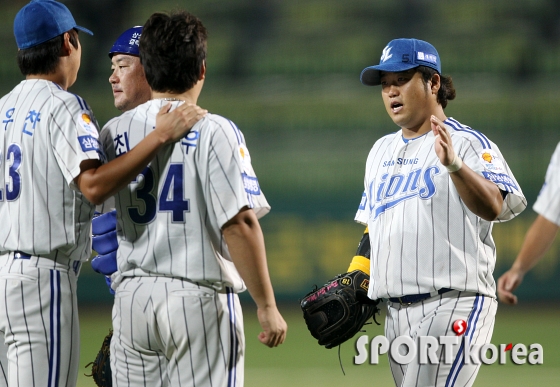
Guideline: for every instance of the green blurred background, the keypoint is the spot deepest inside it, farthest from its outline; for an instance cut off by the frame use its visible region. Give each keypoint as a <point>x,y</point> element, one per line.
<point>287,73</point>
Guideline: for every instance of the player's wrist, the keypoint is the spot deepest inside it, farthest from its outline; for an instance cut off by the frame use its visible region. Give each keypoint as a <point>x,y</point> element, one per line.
<point>455,165</point>
<point>519,269</point>
<point>359,263</point>
<point>160,137</point>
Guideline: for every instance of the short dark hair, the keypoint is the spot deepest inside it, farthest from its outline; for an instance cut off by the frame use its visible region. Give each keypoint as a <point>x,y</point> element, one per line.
<point>446,90</point>
<point>43,58</point>
<point>173,51</point>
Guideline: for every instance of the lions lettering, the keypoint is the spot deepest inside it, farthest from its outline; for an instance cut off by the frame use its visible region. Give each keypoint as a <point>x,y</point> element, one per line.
<point>395,189</point>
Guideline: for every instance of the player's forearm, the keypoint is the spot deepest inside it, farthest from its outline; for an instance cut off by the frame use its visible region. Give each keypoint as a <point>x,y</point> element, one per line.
<point>101,182</point>
<point>480,196</point>
<point>537,241</point>
<point>245,243</point>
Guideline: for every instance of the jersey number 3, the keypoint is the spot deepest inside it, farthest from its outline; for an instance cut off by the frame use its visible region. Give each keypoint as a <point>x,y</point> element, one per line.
<point>13,178</point>
<point>171,198</point>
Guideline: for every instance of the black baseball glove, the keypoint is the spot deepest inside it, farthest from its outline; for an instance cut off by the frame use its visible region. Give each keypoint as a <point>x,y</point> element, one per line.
<point>101,366</point>
<point>338,310</point>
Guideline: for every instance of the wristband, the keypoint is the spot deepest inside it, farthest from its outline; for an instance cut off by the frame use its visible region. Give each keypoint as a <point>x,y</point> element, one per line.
<point>455,165</point>
<point>359,263</point>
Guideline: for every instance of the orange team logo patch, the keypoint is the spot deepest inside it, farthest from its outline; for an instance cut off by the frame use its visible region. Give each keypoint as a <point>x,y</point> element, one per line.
<point>487,157</point>
<point>86,118</point>
<point>242,152</point>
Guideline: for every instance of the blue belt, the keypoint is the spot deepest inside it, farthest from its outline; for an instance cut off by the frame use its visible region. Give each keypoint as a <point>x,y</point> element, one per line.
<point>21,255</point>
<point>407,300</point>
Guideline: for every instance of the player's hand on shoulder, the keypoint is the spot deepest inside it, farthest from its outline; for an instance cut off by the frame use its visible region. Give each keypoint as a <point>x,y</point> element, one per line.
<point>174,125</point>
<point>273,325</point>
<point>507,283</point>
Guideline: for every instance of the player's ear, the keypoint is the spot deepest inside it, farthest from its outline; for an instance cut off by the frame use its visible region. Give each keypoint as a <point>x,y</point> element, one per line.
<point>67,46</point>
<point>435,83</point>
<point>202,71</point>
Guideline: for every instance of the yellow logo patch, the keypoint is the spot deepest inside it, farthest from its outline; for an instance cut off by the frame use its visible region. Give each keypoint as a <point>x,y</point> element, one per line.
<point>487,157</point>
<point>86,118</point>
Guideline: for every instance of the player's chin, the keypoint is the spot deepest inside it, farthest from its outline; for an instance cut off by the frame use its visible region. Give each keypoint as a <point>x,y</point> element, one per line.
<point>398,119</point>
<point>120,101</point>
<point>117,95</point>
<point>396,116</point>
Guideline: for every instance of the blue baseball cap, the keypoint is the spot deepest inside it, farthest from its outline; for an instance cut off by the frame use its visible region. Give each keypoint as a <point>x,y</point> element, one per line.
<point>401,55</point>
<point>42,20</point>
<point>128,42</point>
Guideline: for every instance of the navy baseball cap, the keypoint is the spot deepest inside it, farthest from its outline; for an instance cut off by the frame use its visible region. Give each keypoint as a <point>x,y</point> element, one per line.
<point>42,20</point>
<point>128,42</point>
<point>401,55</point>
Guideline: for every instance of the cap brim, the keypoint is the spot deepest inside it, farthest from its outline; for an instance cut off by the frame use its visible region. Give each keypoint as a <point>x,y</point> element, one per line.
<point>370,75</point>
<point>123,51</point>
<point>84,30</point>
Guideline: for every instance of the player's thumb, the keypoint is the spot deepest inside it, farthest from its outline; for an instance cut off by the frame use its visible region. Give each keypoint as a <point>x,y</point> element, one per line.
<point>264,338</point>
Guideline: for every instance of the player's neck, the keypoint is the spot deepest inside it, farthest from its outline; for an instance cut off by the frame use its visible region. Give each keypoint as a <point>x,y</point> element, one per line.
<point>425,126</point>
<point>410,133</point>
<point>189,96</point>
<point>55,78</point>
<point>174,97</point>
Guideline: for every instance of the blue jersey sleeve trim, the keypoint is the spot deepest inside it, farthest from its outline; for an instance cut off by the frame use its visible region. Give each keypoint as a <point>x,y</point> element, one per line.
<point>79,100</point>
<point>461,128</point>
<point>237,132</point>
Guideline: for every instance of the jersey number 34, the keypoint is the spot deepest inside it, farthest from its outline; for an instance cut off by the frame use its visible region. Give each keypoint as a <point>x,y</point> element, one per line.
<point>170,198</point>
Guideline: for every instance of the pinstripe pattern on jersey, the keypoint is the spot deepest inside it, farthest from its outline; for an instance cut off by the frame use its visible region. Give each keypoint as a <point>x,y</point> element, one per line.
<point>423,236</point>
<point>156,343</point>
<point>435,317</point>
<point>212,167</point>
<point>49,218</point>
<point>471,328</point>
<point>232,369</point>
<point>54,355</point>
<point>39,321</point>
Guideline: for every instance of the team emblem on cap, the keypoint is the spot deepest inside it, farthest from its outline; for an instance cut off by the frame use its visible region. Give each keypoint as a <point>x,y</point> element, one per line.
<point>386,54</point>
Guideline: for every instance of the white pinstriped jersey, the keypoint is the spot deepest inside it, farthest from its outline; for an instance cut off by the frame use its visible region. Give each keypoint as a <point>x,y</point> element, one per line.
<point>170,218</point>
<point>548,201</point>
<point>423,237</point>
<point>46,133</point>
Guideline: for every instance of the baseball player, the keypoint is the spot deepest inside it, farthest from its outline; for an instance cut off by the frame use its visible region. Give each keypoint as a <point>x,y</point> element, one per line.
<point>432,191</point>
<point>189,238</point>
<point>540,235</point>
<point>130,89</point>
<point>127,79</point>
<point>50,178</point>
